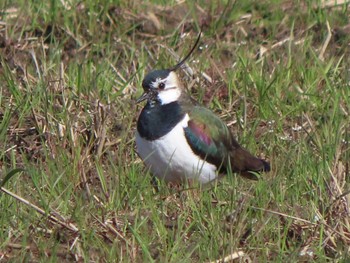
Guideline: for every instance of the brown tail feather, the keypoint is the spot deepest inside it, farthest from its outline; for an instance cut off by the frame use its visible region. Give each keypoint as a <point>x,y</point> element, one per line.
<point>244,163</point>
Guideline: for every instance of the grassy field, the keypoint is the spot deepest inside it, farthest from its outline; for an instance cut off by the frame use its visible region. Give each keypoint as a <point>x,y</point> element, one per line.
<point>73,187</point>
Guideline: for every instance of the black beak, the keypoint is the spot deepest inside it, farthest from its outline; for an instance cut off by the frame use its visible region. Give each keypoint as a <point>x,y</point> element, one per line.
<point>148,94</point>
<point>145,96</point>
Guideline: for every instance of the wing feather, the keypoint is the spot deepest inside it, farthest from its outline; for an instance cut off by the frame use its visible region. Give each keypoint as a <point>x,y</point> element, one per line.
<point>208,136</point>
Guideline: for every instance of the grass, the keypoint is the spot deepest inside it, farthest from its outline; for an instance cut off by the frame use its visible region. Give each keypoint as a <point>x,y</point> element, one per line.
<point>70,72</point>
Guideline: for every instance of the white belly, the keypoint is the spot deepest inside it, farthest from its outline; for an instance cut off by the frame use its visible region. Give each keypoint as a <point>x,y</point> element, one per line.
<point>171,158</point>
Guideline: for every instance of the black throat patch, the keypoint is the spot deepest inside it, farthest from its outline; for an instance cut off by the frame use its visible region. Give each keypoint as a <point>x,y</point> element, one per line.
<point>157,120</point>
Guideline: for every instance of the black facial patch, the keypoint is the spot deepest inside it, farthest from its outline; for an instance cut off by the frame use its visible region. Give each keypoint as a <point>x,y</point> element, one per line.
<point>152,76</point>
<point>157,120</point>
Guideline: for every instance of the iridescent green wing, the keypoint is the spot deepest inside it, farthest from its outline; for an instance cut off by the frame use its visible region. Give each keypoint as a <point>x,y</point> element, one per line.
<point>208,136</point>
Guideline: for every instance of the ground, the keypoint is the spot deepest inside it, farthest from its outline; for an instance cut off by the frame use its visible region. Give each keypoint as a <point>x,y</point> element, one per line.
<point>72,185</point>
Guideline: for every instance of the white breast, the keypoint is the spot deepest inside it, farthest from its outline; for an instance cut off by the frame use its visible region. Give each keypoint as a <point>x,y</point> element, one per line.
<point>171,158</point>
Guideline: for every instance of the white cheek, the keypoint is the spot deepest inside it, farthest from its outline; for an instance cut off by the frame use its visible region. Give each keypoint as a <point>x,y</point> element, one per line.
<point>169,95</point>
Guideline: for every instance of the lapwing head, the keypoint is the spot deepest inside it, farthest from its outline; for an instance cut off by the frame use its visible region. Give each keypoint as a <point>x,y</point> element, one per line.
<point>163,85</point>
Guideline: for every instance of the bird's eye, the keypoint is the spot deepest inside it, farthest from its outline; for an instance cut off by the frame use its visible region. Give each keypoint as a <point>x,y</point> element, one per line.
<point>161,85</point>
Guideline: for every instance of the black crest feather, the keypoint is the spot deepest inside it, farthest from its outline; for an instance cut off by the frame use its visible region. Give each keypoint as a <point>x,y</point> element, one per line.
<point>178,65</point>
